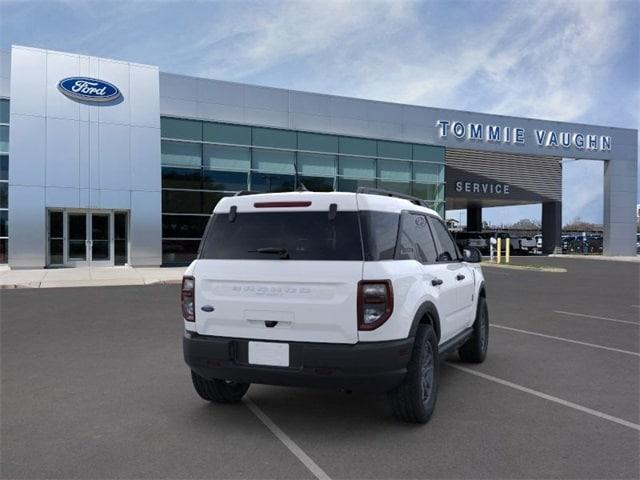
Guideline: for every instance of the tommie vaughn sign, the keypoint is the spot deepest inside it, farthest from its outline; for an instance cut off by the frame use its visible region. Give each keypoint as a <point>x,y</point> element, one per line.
<point>88,89</point>
<point>478,132</point>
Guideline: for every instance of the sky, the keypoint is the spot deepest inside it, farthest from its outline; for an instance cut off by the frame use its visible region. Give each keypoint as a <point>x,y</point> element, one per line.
<point>558,60</point>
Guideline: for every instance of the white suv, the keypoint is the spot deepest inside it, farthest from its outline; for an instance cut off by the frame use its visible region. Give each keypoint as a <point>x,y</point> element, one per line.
<point>353,291</point>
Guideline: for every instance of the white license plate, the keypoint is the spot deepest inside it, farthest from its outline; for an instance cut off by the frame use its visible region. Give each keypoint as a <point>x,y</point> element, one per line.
<point>269,353</point>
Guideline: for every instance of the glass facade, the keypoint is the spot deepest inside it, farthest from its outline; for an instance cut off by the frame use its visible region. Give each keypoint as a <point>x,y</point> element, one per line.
<point>4,180</point>
<point>205,161</point>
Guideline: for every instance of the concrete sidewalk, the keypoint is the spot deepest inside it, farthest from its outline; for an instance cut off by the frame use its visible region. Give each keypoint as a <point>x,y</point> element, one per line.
<point>635,259</point>
<point>88,277</point>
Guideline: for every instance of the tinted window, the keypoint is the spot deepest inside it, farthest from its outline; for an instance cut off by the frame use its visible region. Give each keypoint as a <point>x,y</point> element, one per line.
<point>177,201</point>
<point>4,167</point>
<point>4,194</point>
<point>228,181</point>
<point>179,251</point>
<point>303,235</point>
<point>183,226</point>
<point>380,231</point>
<point>317,184</point>
<point>263,182</point>
<point>181,153</point>
<point>415,241</point>
<point>448,250</point>
<point>4,229</point>
<point>349,185</point>
<point>182,178</point>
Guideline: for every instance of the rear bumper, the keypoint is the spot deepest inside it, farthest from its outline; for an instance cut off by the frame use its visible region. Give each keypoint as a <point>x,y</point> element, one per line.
<point>371,367</point>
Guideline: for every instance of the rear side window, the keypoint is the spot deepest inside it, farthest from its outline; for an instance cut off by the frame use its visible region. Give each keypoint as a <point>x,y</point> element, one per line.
<point>415,241</point>
<point>283,235</point>
<point>448,250</point>
<point>380,231</point>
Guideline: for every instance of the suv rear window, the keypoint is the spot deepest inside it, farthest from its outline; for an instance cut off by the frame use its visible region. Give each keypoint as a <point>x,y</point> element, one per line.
<point>283,235</point>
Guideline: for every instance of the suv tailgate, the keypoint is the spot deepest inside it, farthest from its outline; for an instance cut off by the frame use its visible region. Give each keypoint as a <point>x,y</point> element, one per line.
<point>305,301</point>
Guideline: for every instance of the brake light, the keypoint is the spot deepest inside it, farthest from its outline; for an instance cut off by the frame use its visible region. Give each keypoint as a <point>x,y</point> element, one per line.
<point>188,299</point>
<point>281,204</point>
<point>375,303</point>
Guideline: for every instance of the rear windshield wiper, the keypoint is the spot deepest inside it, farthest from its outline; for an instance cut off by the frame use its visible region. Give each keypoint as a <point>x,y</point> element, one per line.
<point>283,252</point>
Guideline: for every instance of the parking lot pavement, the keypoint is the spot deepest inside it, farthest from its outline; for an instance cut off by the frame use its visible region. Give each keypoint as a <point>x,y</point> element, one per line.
<point>94,386</point>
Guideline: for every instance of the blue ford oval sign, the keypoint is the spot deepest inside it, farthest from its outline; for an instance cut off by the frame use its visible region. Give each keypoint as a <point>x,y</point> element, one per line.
<point>89,89</point>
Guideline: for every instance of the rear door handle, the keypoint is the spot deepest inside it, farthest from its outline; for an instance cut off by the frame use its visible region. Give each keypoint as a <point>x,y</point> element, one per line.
<point>436,281</point>
<point>460,277</point>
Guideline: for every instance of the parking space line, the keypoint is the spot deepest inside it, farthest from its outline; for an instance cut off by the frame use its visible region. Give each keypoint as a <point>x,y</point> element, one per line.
<point>563,339</point>
<point>609,319</point>
<point>551,398</point>
<point>287,441</point>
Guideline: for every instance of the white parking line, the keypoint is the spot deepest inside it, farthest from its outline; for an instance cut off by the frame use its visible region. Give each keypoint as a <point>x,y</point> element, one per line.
<point>563,339</point>
<point>551,398</point>
<point>609,319</point>
<point>288,442</point>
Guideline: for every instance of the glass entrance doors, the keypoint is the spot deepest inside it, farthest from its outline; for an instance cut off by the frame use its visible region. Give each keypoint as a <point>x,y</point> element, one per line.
<point>77,237</point>
<point>100,243</point>
<point>87,238</point>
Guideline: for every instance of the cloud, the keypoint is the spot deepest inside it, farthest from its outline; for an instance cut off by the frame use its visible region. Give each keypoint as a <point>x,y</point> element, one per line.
<point>570,60</point>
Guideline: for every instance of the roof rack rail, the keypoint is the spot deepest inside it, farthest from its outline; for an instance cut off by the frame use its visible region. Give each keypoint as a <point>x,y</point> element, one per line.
<point>388,193</point>
<point>242,193</point>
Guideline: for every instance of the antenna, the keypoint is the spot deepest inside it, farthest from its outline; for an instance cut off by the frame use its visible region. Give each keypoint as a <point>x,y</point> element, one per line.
<point>300,187</point>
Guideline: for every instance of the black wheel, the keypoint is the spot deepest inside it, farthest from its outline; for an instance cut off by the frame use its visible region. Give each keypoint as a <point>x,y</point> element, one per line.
<point>415,398</point>
<point>474,350</point>
<point>219,391</point>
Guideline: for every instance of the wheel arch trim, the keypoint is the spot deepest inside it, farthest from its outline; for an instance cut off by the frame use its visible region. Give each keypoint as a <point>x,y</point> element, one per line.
<point>426,310</point>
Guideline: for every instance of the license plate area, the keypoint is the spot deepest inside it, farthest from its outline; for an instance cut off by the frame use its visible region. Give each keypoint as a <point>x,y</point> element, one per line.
<point>269,353</point>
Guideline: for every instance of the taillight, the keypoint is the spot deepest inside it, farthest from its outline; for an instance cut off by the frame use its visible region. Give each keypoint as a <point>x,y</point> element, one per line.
<point>375,303</point>
<point>188,299</point>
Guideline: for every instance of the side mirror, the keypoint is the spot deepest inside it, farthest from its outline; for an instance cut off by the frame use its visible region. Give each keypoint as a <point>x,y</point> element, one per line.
<point>471,255</point>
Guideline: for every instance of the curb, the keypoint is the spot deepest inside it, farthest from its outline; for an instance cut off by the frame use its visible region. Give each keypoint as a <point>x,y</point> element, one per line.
<point>99,283</point>
<point>525,267</point>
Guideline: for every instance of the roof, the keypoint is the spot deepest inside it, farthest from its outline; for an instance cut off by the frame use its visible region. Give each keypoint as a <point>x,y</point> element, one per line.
<point>317,201</point>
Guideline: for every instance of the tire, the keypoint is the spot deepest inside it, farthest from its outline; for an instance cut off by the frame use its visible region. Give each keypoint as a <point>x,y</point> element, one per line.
<point>474,350</point>
<point>415,398</point>
<point>219,391</point>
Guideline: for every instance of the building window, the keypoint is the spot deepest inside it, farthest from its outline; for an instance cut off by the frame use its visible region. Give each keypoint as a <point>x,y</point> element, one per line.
<point>223,133</point>
<point>227,158</point>
<point>181,153</point>
<point>357,167</point>
<point>394,150</point>
<point>4,181</point>
<point>273,161</point>
<point>4,138</point>
<point>270,183</point>
<point>274,138</point>
<point>205,161</point>
<point>181,129</point>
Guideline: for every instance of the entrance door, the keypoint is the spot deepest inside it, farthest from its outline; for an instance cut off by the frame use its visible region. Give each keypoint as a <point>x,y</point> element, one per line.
<point>87,238</point>
<point>100,244</point>
<point>77,240</point>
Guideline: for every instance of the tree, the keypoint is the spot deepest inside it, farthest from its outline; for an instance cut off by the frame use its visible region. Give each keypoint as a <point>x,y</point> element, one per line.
<point>526,224</point>
<point>579,225</point>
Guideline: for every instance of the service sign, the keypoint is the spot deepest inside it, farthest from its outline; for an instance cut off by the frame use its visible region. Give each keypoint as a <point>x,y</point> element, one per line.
<point>88,89</point>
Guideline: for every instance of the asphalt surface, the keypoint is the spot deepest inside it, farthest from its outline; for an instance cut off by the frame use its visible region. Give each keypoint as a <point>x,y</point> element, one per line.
<point>94,386</point>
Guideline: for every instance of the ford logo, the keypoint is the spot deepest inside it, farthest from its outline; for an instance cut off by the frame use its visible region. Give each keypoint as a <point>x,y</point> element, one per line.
<point>89,89</point>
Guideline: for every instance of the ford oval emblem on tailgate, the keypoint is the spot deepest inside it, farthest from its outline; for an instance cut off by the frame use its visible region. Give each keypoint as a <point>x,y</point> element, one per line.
<point>207,308</point>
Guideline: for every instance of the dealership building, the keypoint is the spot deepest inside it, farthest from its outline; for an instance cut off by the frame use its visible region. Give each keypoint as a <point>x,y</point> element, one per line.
<point>107,162</point>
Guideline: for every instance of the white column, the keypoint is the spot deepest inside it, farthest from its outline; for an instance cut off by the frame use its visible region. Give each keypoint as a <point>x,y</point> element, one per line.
<point>620,199</point>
